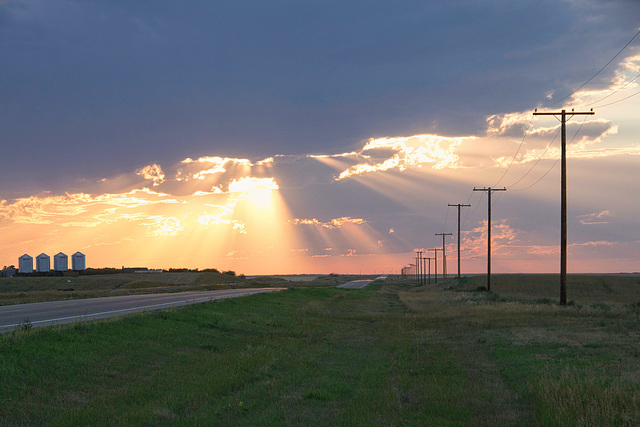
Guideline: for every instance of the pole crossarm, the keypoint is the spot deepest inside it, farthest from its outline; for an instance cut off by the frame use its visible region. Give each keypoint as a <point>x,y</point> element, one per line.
<point>459,206</point>
<point>563,193</point>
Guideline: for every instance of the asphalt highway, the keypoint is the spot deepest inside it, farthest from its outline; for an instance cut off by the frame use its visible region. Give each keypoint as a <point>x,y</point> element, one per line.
<point>71,311</point>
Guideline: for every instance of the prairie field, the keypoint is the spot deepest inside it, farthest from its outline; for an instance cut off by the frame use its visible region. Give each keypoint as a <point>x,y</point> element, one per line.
<point>393,353</point>
<point>20,290</point>
<point>581,288</point>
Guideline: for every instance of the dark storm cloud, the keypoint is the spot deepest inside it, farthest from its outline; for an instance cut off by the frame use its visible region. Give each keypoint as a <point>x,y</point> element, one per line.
<point>103,87</point>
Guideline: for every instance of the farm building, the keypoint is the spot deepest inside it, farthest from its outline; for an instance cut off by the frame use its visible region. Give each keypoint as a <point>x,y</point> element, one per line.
<point>78,261</point>
<point>60,262</point>
<point>8,272</point>
<point>43,263</point>
<point>25,264</point>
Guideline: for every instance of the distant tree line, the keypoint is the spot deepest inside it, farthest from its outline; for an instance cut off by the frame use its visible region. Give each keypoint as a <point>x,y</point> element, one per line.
<point>110,270</point>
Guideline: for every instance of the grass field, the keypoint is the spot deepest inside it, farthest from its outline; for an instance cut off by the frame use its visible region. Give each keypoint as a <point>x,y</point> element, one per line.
<point>386,355</point>
<point>581,288</point>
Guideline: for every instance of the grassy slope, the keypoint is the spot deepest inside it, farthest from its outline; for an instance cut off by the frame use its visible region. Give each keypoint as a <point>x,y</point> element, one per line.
<point>389,354</point>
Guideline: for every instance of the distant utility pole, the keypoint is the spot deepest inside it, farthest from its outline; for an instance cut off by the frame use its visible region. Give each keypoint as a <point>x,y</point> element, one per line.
<point>444,255</point>
<point>563,196</point>
<point>428,259</point>
<point>419,264</point>
<point>435,259</point>
<point>489,190</point>
<point>459,205</point>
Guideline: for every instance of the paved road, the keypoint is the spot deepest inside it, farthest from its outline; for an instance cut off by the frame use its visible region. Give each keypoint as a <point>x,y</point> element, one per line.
<point>359,284</point>
<point>70,311</point>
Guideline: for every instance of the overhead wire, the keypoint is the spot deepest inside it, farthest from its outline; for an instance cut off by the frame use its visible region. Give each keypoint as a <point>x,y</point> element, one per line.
<point>554,139</point>
<point>495,201</point>
<point>555,163</point>
<point>537,161</point>
<point>573,92</point>
<point>476,208</point>
<point>620,100</point>
<point>595,103</point>
<point>517,151</point>
<point>595,75</point>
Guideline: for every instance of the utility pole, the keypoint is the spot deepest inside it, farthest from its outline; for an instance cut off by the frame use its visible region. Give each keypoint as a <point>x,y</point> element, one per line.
<point>435,259</point>
<point>459,205</point>
<point>428,259</point>
<point>489,190</point>
<point>419,264</point>
<point>563,195</point>
<point>444,255</point>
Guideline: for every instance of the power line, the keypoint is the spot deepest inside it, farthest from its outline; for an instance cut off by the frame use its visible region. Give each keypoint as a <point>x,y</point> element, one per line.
<point>614,92</point>
<point>495,202</point>
<point>596,74</point>
<point>620,100</point>
<point>474,210</point>
<point>540,179</point>
<point>517,151</point>
<point>554,164</point>
<point>537,161</point>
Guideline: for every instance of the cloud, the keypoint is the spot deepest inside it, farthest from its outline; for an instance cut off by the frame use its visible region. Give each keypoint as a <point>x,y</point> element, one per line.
<point>152,172</point>
<point>248,184</point>
<point>474,242</point>
<point>161,225</point>
<point>204,167</point>
<point>400,153</point>
<point>333,224</point>
<point>595,218</point>
<point>56,209</point>
<point>512,125</point>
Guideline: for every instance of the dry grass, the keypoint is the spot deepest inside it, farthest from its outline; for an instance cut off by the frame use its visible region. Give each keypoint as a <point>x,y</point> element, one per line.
<point>576,397</point>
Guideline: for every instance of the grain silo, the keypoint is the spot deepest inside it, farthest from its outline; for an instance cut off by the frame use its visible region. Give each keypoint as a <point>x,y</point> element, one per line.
<point>78,261</point>
<point>43,263</point>
<point>25,264</point>
<point>60,262</point>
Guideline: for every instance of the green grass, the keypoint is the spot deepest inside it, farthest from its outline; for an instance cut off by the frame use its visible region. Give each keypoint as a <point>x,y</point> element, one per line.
<point>391,354</point>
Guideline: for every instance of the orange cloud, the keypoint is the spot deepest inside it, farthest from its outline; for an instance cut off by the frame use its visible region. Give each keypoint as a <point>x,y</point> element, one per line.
<point>152,172</point>
<point>382,154</point>
<point>333,224</point>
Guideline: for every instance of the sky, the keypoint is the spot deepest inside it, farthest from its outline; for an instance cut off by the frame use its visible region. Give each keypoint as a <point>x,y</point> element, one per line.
<point>288,137</point>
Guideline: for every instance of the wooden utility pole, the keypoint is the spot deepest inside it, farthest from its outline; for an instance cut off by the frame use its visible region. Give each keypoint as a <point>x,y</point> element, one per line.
<point>459,205</point>
<point>428,259</point>
<point>435,261</point>
<point>563,196</point>
<point>489,190</point>
<point>419,264</point>
<point>444,255</point>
